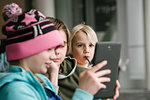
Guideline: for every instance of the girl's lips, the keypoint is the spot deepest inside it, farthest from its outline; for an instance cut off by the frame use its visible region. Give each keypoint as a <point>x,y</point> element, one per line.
<point>55,60</point>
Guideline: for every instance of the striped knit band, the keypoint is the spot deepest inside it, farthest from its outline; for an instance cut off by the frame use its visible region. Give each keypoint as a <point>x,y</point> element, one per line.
<point>31,32</point>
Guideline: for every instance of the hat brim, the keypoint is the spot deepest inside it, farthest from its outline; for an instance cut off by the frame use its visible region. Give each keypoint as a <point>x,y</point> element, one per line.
<point>31,47</point>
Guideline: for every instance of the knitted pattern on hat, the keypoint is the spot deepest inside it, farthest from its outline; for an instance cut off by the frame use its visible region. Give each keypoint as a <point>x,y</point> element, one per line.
<point>26,26</point>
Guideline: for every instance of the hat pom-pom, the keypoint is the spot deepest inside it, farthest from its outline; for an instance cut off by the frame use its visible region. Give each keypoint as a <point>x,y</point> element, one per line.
<point>11,10</point>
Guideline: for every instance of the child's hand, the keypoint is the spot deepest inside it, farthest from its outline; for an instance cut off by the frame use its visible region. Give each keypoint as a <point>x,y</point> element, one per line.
<point>91,80</point>
<point>53,73</point>
<point>116,91</point>
<point>53,67</point>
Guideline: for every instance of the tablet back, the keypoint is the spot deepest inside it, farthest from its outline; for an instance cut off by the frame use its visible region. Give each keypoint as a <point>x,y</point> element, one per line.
<point>111,52</point>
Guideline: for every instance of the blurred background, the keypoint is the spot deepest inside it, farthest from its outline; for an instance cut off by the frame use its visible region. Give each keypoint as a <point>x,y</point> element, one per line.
<point>124,21</point>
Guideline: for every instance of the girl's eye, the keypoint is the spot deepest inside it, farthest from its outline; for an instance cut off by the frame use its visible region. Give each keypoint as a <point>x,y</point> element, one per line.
<point>91,45</point>
<point>79,45</point>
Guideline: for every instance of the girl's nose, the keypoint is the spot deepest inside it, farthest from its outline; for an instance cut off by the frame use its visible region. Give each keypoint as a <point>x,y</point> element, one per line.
<point>57,50</point>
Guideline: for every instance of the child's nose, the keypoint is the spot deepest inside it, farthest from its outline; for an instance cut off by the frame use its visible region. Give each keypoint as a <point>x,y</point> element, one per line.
<point>57,51</point>
<point>86,49</point>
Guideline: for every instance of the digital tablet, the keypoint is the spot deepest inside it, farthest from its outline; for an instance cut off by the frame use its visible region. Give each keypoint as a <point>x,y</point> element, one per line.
<point>109,51</point>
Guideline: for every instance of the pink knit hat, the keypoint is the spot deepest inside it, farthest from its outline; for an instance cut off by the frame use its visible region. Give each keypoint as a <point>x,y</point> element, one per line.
<point>28,34</point>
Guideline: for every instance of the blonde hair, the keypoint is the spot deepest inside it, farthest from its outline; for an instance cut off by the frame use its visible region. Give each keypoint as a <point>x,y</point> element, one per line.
<point>82,28</point>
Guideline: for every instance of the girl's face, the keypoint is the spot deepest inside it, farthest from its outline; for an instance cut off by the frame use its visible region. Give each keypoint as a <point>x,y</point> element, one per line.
<point>61,51</point>
<point>82,47</point>
<point>38,63</point>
